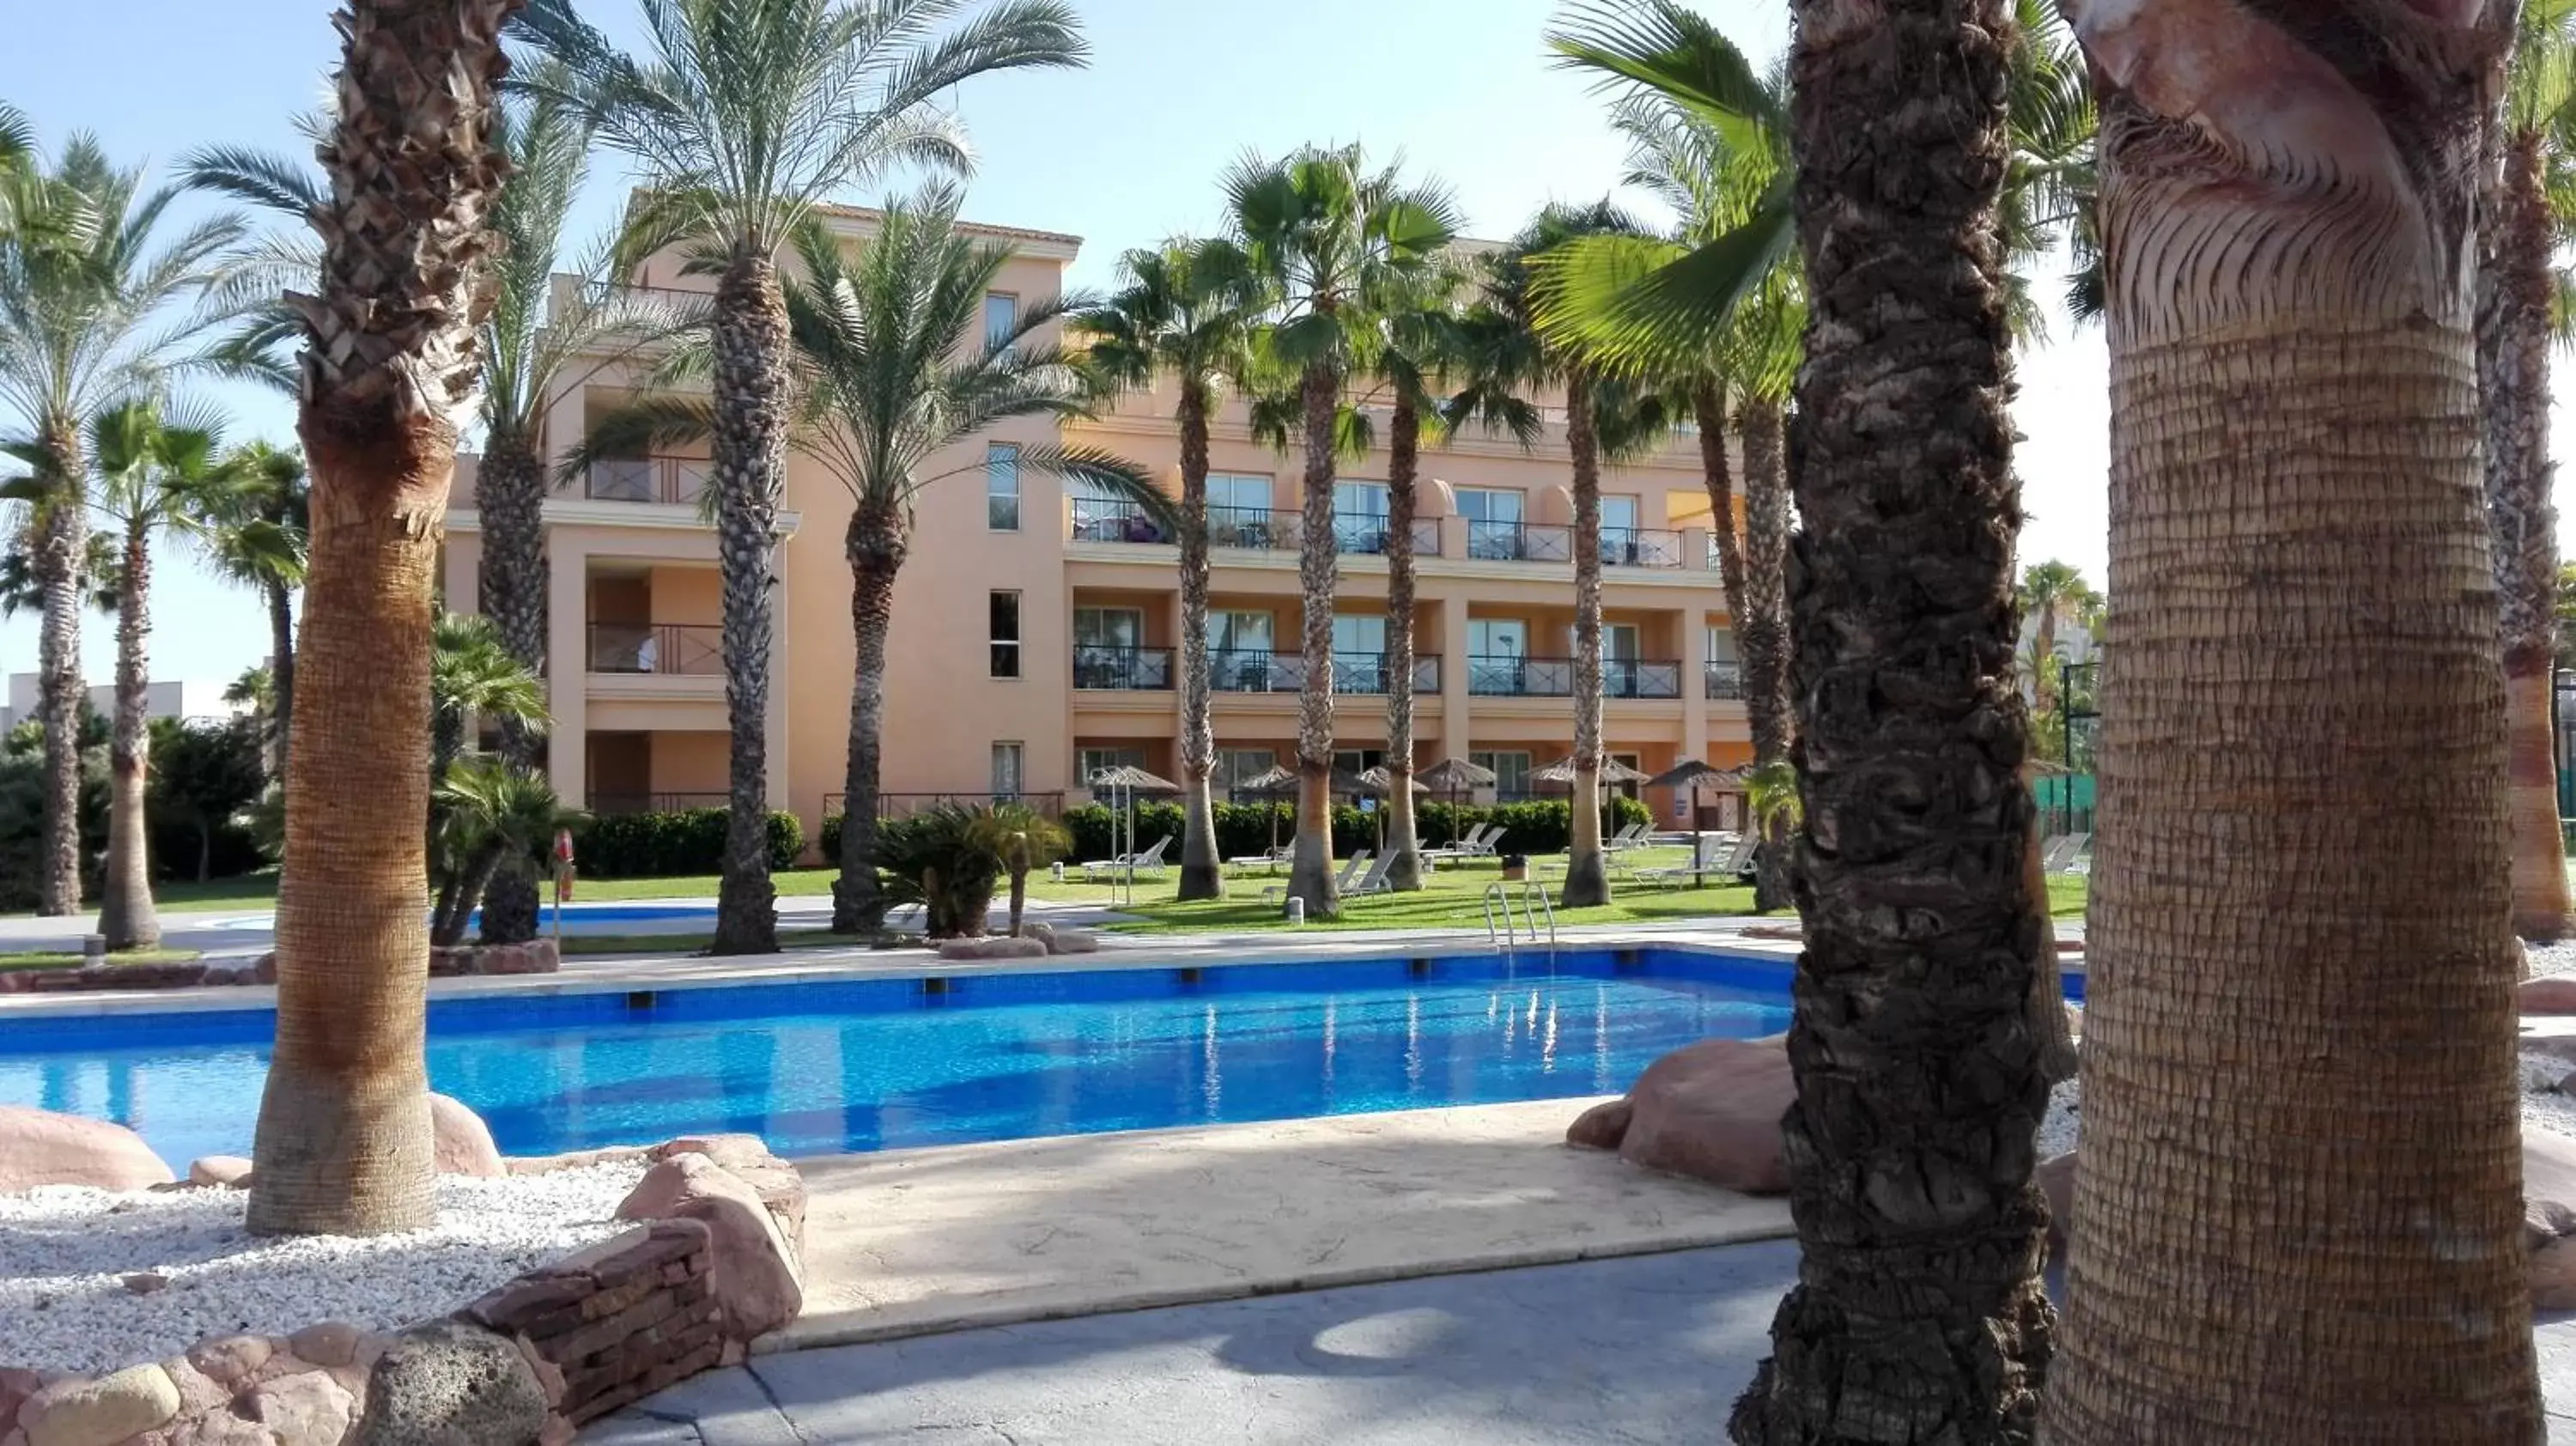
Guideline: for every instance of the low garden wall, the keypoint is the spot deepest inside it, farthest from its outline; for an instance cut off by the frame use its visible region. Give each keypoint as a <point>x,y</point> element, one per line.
<point>538,956</point>
<point>713,1261</point>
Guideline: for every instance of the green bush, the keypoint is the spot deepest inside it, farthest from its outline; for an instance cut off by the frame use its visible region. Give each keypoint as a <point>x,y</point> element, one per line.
<point>672,844</point>
<point>940,859</point>
<point>1539,827</point>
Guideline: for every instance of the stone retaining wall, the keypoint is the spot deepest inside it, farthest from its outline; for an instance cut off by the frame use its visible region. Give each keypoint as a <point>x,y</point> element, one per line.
<point>538,956</point>
<point>712,1264</point>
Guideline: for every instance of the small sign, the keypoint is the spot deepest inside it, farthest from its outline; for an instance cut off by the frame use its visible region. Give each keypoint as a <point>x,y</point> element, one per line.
<point>1368,805</point>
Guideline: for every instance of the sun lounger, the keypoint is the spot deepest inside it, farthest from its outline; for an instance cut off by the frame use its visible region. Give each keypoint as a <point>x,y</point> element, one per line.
<point>1341,885</point>
<point>1149,863</point>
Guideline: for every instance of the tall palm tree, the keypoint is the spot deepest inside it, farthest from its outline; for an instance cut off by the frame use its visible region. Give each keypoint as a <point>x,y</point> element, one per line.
<point>156,472</point>
<point>88,283</point>
<point>2052,593</point>
<point>1919,1314</point>
<point>745,116</point>
<point>2359,797</point>
<point>1333,244</point>
<point>1182,311</point>
<point>1607,416</point>
<point>263,546</point>
<point>2532,196</point>
<point>390,366</point>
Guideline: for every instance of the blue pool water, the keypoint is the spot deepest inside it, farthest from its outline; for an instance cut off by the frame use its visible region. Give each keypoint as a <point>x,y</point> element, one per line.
<point>821,1068</point>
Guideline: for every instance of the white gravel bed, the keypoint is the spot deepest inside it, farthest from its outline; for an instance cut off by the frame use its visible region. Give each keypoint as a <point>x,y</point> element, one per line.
<point>2543,1106</point>
<point>2548,959</point>
<point>64,1253</point>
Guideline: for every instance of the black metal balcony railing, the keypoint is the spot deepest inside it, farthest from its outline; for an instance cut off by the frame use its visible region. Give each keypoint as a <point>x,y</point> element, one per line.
<point>1724,680</point>
<point>1370,536</point>
<point>1258,529</point>
<point>905,805</point>
<point>669,649</point>
<point>1519,542</point>
<point>1247,671</point>
<point>627,803</point>
<point>1122,670</point>
<point>646,479</point>
<point>1519,677</point>
<point>1640,547</point>
<point>1097,521</point>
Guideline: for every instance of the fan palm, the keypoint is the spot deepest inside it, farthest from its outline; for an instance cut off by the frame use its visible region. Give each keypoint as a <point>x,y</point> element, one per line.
<point>2053,593</point>
<point>485,811</point>
<point>1607,416</point>
<point>88,282</point>
<point>1182,311</point>
<point>747,115</point>
<point>1023,839</point>
<point>156,472</point>
<point>474,674</point>
<point>389,372</point>
<point>263,546</point>
<point>2532,198</point>
<point>1334,245</point>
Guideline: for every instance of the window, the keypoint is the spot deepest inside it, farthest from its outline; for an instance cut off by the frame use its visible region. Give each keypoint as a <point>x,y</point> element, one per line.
<point>1239,632</point>
<point>1231,495</point>
<point>1239,766</point>
<point>1618,514</point>
<point>1001,317</point>
<point>1359,635</point>
<point>1358,760</point>
<point>1721,643</point>
<point>1493,522</point>
<point>1359,516</point>
<point>1511,772</point>
<point>1619,643</point>
<point>1097,760</point>
<point>1497,637</point>
<point>1006,769</point>
<point>1122,628</point>
<point>1620,545</point>
<point>1103,514</point>
<point>1002,487</point>
<point>1006,634</point>
<point>1239,659</point>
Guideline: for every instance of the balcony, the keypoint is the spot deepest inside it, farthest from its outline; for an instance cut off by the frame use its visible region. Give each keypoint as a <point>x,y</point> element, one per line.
<point>1640,547</point>
<point>1724,680</point>
<point>1519,542</point>
<point>1121,670</point>
<point>1354,674</point>
<point>1371,536</point>
<point>662,649</point>
<point>1513,676</point>
<point>676,480</point>
<point>1255,529</point>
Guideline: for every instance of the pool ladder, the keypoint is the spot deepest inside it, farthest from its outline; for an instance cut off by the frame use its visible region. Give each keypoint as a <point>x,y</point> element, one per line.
<point>1501,928</point>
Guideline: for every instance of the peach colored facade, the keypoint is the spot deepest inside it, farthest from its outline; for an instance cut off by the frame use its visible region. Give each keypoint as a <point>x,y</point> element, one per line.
<point>1093,612</point>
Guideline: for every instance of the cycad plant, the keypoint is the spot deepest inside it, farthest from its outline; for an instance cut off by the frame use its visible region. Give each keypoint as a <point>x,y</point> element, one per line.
<point>1183,311</point>
<point>745,116</point>
<point>1333,244</point>
<point>485,812</point>
<point>2531,200</point>
<point>92,284</point>
<point>1024,840</point>
<point>1509,360</point>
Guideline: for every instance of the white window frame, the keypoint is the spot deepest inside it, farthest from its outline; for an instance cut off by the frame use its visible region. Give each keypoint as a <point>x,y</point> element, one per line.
<point>1016,643</point>
<point>1001,464</point>
<point>1010,768</point>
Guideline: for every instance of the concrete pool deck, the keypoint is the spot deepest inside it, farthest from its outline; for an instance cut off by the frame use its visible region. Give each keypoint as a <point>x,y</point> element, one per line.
<point>913,1242</point>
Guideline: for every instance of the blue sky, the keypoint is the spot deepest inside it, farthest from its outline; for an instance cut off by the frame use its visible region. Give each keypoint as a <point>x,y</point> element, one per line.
<point>1176,90</point>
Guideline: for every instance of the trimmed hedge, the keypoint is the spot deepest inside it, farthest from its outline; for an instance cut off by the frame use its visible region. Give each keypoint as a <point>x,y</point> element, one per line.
<point>1242,829</point>
<point>672,844</point>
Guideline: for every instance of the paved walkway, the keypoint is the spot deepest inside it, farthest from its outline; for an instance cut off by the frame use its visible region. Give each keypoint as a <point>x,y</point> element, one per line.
<point>1620,1352</point>
<point>913,1241</point>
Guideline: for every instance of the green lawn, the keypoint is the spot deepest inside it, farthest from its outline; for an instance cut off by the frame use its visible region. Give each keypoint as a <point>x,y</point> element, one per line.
<point>38,959</point>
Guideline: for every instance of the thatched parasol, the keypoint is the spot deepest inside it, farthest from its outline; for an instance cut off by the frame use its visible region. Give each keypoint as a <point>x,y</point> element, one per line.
<point>1379,781</point>
<point>1612,771</point>
<point>1455,775</point>
<point>1280,782</point>
<point>1131,779</point>
<point>1691,773</point>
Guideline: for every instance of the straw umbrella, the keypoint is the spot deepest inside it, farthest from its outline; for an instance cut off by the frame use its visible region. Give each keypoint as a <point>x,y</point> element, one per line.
<point>1452,777</point>
<point>1692,774</point>
<point>1612,772</point>
<point>1280,782</point>
<point>1382,783</point>
<point>1123,783</point>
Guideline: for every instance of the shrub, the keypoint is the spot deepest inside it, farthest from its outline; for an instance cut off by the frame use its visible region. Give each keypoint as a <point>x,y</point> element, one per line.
<point>672,844</point>
<point>1541,826</point>
<point>942,859</point>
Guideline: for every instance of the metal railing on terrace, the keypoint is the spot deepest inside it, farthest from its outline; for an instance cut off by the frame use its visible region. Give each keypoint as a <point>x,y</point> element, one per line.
<point>1258,529</point>
<point>668,649</point>
<point>1356,674</point>
<point>1121,670</point>
<point>1514,676</point>
<point>1724,680</point>
<point>1519,542</point>
<point>1640,547</point>
<point>905,805</point>
<point>646,479</point>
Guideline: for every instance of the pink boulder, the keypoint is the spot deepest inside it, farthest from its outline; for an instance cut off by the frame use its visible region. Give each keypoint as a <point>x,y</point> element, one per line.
<point>2554,995</point>
<point>1602,1126</point>
<point>462,1141</point>
<point>1712,1111</point>
<point>38,1147</point>
<point>2548,1186</point>
<point>753,1272</point>
<point>2553,1276</point>
<point>226,1172</point>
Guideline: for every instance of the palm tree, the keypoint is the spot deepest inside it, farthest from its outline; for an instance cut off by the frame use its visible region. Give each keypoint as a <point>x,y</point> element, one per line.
<point>485,811</point>
<point>2532,196</point>
<point>1333,244</point>
<point>156,472</point>
<point>1606,417</point>
<point>263,545</point>
<point>2353,790</point>
<point>747,115</point>
<point>2052,593</point>
<point>474,674</point>
<point>1023,839</point>
<point>1181,311</point>
<point>1919,1314</point>
<point>87,281</point>
<point>390,367</point>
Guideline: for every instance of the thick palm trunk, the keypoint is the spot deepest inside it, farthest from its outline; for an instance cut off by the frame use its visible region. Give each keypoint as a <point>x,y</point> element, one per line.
<point>390,368</point>
<point>62,548</point>
<point>2299,1213</point>
<point>875,546</point>
<point>281,677</point>
<point>1919,1315</point>
<point>125,914</point>
<point>1310,866</point>
<point>1403,461</point>
<point>2515,293</point>
<point>1019,898</point>
<point>1762,638</point>
<point>510,493</point>
<point>749,448</point>
<point>1202,872</point>
<point>1587,871</point>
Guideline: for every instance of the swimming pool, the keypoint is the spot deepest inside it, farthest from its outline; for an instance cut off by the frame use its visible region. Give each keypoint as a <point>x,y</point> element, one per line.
<point>828,1067</point>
